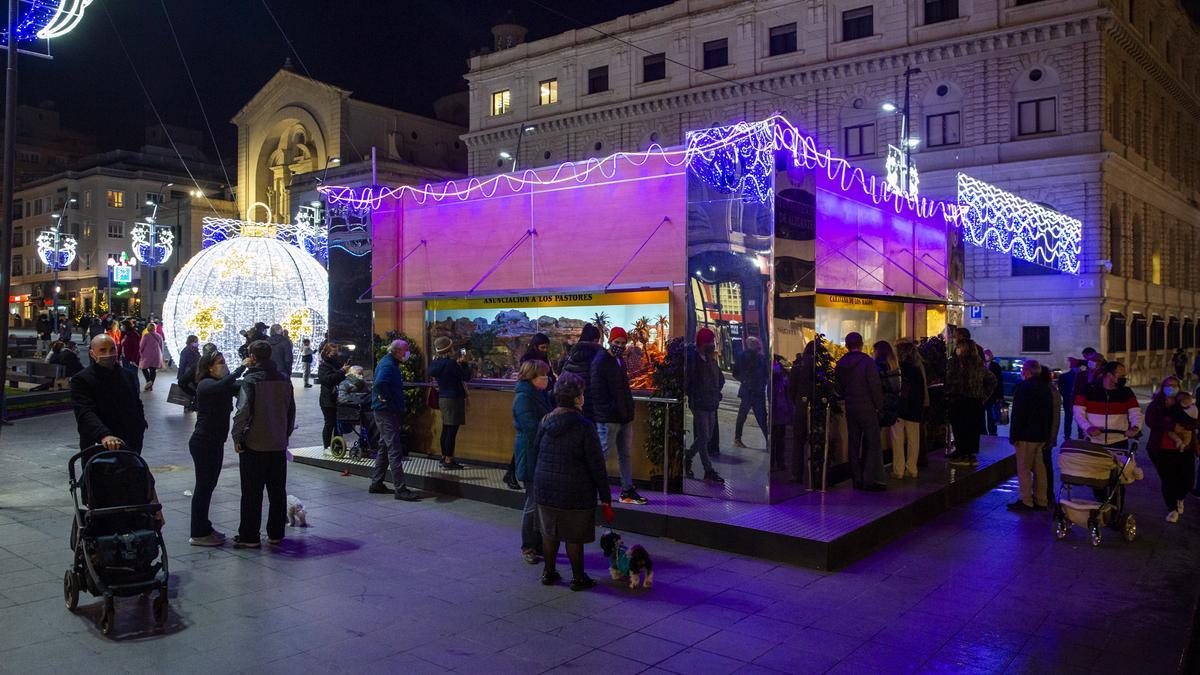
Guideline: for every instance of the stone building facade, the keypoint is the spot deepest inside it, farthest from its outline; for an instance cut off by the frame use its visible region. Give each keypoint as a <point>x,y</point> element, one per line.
<point>1091,107</point>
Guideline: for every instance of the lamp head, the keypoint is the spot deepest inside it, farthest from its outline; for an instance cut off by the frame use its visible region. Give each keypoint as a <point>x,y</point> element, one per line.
<point>889,107</point>
<point>504,154</point>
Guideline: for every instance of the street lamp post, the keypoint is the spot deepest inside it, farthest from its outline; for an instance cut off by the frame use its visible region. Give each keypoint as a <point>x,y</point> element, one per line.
<point>151,250</point>
<point>57,261</point>
<point>505,155</point>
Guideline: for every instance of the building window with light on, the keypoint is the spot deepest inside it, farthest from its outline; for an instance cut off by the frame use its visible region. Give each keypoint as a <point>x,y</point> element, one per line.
<point>859,140</point>
<point>1038,116</point>
<point>116,229</point>
<point>654,67</point>
<point>716,53</point>
<point>547,92</point>
<point>942,129</point>
<point>937,11</point>
<point>501,102</point>
<point>115,199</point>
<point>782,40</point>
<point>858,23</point>
<point>597,80</point>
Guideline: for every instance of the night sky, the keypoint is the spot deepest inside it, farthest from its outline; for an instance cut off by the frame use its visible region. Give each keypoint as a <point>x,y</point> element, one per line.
<point>399,53</point>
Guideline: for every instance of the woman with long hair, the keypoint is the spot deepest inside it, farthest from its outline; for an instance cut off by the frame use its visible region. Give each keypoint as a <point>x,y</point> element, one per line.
<point>330,373</point>
<point>216,387</point>
<point>968,384</point>
<point>150,355</point>
<point>906,434</point>
<point>889,379</point>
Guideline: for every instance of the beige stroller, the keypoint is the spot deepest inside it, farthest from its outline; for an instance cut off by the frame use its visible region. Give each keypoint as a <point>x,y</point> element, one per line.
<point>1102,470</point>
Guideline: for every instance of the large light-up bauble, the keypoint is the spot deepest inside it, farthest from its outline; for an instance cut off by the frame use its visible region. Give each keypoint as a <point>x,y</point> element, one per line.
<point>230,286</point>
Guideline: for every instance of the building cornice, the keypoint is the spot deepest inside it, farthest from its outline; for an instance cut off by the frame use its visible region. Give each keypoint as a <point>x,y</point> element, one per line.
<point>1152,64</point>
<point>894,61</point>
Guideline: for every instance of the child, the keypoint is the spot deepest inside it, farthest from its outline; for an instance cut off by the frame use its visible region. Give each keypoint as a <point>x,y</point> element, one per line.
<point>1185,413</point>
<point>306,356</point>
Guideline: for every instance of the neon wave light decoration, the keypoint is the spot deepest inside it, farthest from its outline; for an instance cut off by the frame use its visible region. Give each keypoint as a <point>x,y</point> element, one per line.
<point>60,256</point>
<point>307,233</point>
<point>1001,221</point>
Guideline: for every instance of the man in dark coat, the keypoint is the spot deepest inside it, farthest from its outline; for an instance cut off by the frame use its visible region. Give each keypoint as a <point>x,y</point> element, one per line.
<point>108,407</point>
<point>993,403</point>
<point>282,350</point>
<point>68,358</point>
<point>857,379</point>
<point>751,370</point>
<point>612,403</point>
<point>1031,427</point>
<point>580,363</point>
<point>704,384</point>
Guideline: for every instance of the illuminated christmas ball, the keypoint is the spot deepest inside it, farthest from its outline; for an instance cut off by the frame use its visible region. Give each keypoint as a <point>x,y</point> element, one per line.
<point>228,287</point>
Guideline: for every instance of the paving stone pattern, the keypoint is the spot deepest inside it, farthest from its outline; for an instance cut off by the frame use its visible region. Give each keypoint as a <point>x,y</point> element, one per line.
<point>377,585</point>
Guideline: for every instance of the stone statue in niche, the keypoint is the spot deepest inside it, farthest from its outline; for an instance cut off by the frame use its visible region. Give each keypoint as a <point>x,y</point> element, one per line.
<point>294,154</point>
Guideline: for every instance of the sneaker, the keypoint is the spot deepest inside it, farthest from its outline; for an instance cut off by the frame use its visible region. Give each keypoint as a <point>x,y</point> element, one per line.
<point>714,477</point>
<point>274,542</point>
<point>582,583</point>
<point>1179,507</point>
<point>210,540</point>
<point>452,466</point>
<point>631,496</point>
<point>379,489</point>
<point>737,443</point>
<point>238,543</point>
<point>1019,506</point>
<point>405,495</point>
<point>551,578</point>
<point>1172,516</point>
<point>531,557</point>
<point>218,534</point>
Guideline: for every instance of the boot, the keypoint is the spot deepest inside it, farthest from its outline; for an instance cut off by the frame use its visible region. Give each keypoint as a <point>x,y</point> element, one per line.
<point>511,481</point>
<point>713,477</point>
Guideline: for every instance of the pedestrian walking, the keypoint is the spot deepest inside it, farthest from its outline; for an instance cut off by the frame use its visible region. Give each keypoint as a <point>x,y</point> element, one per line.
<point>857,380</point>
<point>306,360</point>
<point>104,396</point>
<point>95,328</point>
<point>906,445</point>
<point>1107,410</point>
<point>44,328</point>
<point>281,350</point>
<point>215,386</point>
<point>569,478</point>
<point>530,405</point>
<point>451,373</point>
<point>996,400</point>
<point>1174,461</point>
<point>388,406</point>
<point>330,372</point>
<point>131,347</point>
<point>1030,428</point>
<point>612,407</point>
<point>968,383</point>
<point>265,418</point>
<point>704,383</point>
<point>150,350</point>
<point>750,370</point>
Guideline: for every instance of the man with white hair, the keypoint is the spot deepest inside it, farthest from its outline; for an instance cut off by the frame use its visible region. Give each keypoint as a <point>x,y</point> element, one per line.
<point>387,403</point>
<point>282,352</point>
<point>108,407</point>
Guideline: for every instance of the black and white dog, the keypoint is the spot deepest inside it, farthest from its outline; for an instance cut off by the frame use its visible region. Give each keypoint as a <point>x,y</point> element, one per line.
<point>632,564</point>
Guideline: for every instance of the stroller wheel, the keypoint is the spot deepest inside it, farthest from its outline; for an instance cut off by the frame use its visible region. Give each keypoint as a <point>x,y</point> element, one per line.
<point>71,590</point>
<point>108,616</point>
<point>337,447</point>
<point>160,607</point>
<point>1128,527</point>
<point>1061,527</point>
<point>1095,535</point>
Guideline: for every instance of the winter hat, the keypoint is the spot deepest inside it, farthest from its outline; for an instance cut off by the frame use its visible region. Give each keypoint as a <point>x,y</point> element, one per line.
<point>590,333</point>
<point>705,336</point>
<point>539,339</point>
<point>442,345</point>
<point>617,333</point>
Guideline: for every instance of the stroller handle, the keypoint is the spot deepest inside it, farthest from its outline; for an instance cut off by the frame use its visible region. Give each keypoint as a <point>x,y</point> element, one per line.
<point>81,453</point>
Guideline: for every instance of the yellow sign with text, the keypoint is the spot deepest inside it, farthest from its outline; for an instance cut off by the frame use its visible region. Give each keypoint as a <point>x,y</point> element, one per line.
<point>852,302</point>
<point>661,297</point>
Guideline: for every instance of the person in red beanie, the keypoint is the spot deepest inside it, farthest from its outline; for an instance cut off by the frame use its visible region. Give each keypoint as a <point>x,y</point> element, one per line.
<point>704,384</point>
<point>612,407</point>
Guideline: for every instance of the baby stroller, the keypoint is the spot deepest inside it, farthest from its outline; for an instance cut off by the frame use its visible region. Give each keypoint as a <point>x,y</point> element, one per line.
<point>116,536</point>
<point>356,419</point>
<point>1099,468</point>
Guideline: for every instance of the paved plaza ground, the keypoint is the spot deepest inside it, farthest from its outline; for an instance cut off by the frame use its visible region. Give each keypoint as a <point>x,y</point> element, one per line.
<point>376,585</point>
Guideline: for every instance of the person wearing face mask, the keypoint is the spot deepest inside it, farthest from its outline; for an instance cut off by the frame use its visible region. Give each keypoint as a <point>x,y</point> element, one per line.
<point>215,388</point>
<point>1108,410</point>
<point>451,373</point>
<point>612,409</point>
<point>1174,462</point>
<point>107,404</point>
<point>530,405</point>
<point>388,405</point>
<point>704,383</point>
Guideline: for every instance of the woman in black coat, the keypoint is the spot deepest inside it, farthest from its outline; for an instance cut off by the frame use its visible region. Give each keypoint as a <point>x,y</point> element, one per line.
<point>569,477</point>
<point>330,373</point>
<point>215,390</point>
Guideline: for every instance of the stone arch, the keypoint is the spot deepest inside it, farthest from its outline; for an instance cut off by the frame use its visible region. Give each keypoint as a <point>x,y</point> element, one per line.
<point>293,143</point>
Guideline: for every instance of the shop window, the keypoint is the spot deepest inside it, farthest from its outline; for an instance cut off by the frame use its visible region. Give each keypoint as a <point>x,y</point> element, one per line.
<point>942,129</point>
<point>782,39</point>
<point>1173,333</point>
<point>547,92</point>
<point>1158,334</point>
<point>937,11</point>
<point>858,23</point>
<point>1138,333</point>
<point>654,67</point>
<point>1035,339</point>
<point>1024,268</point>
<point>716,53</point>
<point>1188,336</point>
<point>1037,116</point>
<point>597,80</point>
<point>859,140</point>
<point>501,102</point>
<point>115,199</point>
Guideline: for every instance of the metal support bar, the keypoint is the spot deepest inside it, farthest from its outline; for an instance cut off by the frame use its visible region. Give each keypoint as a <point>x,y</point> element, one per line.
<point>637,252</point>
<point>889,258</point>
<point>389,270</point>
<point>507,254</point>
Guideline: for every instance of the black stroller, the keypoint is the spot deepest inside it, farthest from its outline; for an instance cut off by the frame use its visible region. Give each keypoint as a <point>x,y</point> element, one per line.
<point>116,536</point>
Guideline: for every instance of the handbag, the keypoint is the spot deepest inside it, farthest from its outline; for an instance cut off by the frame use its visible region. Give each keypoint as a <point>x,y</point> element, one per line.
<point>431,398</point>
<point>178,396</point>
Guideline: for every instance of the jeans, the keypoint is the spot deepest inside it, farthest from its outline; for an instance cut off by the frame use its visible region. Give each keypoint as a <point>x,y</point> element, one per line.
<point>531,537</point>
<point>450,432</point>
<point>390,449</point>
<point>703,424</point>
<point>149,374</point>
<point>208,455</point>
<point>330,428</point>
<point>1068,421</point>
<point>1176,471</point>
<point>307,372</point>
<point>757,402</point>
<point>621,435</point>
<point>1031,473</point>
<point>993,419</point>
<point>865,447</point>
<point>262,470</point>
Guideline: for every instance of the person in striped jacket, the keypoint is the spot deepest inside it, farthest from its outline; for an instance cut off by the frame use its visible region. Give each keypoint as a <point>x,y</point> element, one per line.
<point>1107,410</point>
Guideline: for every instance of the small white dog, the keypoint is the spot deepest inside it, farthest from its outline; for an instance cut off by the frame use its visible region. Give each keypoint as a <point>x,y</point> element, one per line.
<point>297,516</point>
